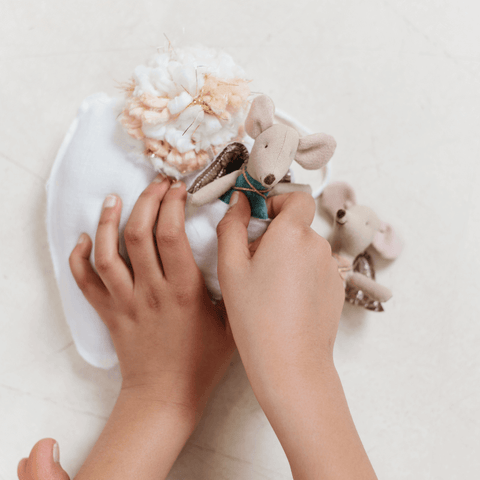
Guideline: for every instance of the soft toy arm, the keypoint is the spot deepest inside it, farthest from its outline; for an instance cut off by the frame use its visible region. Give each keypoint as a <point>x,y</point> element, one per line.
<point>281,188</point>
<point>370,287</point>
<point>213,190</point>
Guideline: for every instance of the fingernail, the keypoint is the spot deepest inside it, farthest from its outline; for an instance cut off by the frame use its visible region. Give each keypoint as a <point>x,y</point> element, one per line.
<point>110,201</point>
<point>56,453</point>
<point>159,178</point>
<point>81,238</point>
<point>176,185</point>
<point>233,199</point>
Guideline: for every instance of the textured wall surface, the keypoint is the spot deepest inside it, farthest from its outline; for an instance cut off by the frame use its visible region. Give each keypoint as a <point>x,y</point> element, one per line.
<point>397,83</point>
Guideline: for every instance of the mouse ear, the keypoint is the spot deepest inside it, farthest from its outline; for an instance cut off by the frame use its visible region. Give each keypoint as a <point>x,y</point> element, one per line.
<point>386,242</point>
<point>260,116</point>
<point>314,151</point>
<point>337,195</point>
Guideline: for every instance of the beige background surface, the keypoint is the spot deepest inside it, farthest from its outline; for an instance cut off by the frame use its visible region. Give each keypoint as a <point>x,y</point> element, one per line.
<point>397,83</point>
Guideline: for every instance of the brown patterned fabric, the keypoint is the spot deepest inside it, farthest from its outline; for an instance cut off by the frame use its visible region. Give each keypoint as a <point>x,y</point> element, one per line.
<point>363,264</point>
<point>231,158</point>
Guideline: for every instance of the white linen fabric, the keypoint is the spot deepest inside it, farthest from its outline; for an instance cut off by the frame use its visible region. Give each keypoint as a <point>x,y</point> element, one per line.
<point>96,158</point>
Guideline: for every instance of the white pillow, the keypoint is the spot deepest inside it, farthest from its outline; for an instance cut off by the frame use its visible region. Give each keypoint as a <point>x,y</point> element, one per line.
<point>91,163</point>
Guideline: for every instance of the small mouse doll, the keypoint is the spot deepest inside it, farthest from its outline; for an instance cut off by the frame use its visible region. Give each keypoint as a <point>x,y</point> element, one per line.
<point>355,228</point>
<point>276,147</point>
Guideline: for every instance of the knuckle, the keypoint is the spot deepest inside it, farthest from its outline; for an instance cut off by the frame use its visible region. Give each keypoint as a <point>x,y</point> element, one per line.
<point>82,283</point>
<point>148,193</point>
<point>221,228</point>
<point>134,235</point>
<point>300,201</point>
<point>303,236</point>
<point>321,249</point>
<point>153,298</point>
<point>225,225</point>
<point>304,198</point>
<point>177,194</point>
<point>185,295</point>
<point>324,246</point>
<point>114,327</point>
<point>112,321</point>
<point>103,263</point>
<point>298,232</point>
<point>168,235</point>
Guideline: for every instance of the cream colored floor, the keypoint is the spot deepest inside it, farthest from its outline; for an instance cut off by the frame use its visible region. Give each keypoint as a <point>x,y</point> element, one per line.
<point>397,82</point>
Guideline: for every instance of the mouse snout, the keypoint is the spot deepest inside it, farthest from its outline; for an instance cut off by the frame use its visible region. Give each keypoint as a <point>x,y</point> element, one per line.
<point>269,179</point>
<point>341,213</point>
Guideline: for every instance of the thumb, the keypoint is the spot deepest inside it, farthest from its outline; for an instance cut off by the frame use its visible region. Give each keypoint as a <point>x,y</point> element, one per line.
<point>43,463</point>
<point>233,252</point>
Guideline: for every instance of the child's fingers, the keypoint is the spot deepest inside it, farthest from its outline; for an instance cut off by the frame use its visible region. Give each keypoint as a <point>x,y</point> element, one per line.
<point>233,252</point>
<point>109,264</point>
<point>292,214</point>
<point>43,462</point>
<point>22,469</point>
<point>139,237</point>
<point>87,280</point>
<point>175,253</point>
<point>222,314</point>
<point>255,244</point>
<point>296,206</point>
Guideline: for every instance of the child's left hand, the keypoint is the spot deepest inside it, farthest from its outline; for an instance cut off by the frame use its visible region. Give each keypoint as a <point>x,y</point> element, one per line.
<point>170,339</point>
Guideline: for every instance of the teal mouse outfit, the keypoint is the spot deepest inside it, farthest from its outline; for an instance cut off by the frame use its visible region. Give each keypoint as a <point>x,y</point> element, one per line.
<point>255,192</point>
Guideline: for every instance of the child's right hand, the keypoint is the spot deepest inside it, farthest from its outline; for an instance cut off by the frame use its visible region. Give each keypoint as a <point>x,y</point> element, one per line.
<point>284,297</point>
<point>283,293</point>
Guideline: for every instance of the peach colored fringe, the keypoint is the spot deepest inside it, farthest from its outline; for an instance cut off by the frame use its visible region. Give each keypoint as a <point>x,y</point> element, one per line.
<point>217,97</point>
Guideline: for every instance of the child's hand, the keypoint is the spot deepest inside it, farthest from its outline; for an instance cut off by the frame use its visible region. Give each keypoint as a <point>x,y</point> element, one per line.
<point>43,463</point>
<point>284,297</point>
<point>171,342</point>
<point>283,293</point>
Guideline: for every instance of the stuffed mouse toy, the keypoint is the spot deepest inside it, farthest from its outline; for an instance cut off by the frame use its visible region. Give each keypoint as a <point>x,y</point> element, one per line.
<point>355,228</point>
<point>276,147</point>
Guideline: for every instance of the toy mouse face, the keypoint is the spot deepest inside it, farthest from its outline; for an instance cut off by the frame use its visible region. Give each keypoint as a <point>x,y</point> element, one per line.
<point>272,154</point>
<point>277,146</point>
<point>355,228</point>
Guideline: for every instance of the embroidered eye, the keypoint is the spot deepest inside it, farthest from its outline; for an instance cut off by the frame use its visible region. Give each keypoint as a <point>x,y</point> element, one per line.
<point>266,146</point>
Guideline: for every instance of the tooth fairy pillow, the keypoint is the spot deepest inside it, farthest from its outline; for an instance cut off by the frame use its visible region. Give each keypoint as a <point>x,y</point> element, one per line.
<point>184,114</point>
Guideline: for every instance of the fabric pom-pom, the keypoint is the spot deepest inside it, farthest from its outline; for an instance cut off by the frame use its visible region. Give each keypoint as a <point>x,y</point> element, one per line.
<point>185,106</point>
